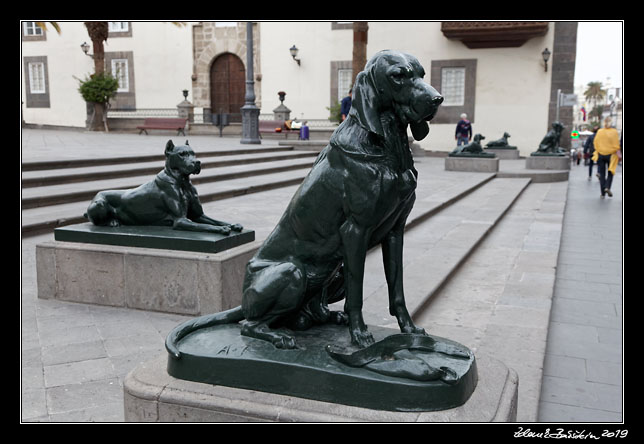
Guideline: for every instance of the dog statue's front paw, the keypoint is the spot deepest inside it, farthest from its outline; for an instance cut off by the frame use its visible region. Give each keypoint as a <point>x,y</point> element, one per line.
<point>236,227</point>
<point>413,330</point>
<point>362,338</point>
<point>223,230</point>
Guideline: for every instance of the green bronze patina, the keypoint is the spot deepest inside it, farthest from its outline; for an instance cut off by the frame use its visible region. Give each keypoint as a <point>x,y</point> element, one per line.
<point>549,145</point>
<point>472,149</point>
<point>165,238</point>
<point>169,200</point>
<point>501,144</point>
<point>400,372</point>
<point>357,195</point>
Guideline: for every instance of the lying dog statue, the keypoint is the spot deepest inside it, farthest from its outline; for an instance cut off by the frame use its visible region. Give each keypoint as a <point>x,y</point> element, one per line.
<point>168,200</point>
<point>357,195</point>
<point>502,142</point>
<point>474,147</point>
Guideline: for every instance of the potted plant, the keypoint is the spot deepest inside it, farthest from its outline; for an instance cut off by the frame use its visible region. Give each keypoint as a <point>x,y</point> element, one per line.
<point>98,89</point>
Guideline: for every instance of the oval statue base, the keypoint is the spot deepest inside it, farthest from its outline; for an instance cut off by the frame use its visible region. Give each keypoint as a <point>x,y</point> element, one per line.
<point>428,374</point>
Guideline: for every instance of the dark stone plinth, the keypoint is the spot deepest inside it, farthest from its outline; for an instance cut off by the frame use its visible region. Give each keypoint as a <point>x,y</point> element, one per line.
<point>548,154</point>
<point>220,355</point>
<point>153,237</point>
<point>473,155</point>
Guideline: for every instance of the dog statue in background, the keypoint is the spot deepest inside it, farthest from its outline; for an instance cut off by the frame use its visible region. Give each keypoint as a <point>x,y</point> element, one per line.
<point>474,147</point>
<point>357,195</point>
<point>168,200</point>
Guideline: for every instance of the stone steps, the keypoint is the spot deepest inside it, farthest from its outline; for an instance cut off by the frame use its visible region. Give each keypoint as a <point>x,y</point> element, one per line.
<point>65,189</point>
<point>437,245</point>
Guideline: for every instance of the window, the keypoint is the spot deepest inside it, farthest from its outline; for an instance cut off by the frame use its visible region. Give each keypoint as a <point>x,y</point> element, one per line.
<point>225,24</point>
<point>456,81</point>
<point>31,29</point>
<point>118,26</point>
<point>453,86</point>
<point>341,77</point>
<point>36,77</point>
<point>120,73</point>
<point>344,82</point>
<point>121,65</point>
<point>36,81</point>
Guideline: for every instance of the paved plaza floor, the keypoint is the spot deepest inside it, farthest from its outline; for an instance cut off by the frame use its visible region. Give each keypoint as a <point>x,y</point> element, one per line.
<point>74,357</point>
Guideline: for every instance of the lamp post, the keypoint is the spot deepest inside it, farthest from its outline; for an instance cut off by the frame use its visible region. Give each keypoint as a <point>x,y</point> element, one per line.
<point>250,112</point>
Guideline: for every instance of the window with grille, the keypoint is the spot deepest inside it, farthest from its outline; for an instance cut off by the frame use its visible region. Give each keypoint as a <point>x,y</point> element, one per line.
<point>31,29</point>
<point>36,78</point>
<point>120,73</point>
<point>344,82</point>
<point>453,86</point>
<point>117,26</point>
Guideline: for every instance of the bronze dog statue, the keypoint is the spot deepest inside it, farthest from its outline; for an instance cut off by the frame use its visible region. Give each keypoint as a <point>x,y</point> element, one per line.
<point>474,147</point>
<point>357,195</point>
<point>168,200</point>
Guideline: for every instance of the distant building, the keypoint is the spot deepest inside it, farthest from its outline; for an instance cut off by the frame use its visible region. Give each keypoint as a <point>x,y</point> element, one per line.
<point>492,71</point>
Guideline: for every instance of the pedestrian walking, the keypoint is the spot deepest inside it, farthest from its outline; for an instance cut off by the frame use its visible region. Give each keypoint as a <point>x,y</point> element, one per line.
<point>463,131</point>
<point>589,150</point>
<point>607,155</point>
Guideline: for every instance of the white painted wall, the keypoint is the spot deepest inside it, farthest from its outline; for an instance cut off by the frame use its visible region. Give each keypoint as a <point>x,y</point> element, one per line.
<point>512,89</point>
<point>162,65</point>
<point>307,86</point>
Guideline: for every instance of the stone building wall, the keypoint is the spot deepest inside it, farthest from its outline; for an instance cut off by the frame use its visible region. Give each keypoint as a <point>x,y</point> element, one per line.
<point>209,41</point>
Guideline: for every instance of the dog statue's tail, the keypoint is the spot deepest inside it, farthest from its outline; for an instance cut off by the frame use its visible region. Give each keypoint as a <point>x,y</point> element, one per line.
<point>182,330</point>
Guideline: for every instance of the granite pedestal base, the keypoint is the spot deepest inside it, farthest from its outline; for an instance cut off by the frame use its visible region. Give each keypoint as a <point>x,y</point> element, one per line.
<point>504,153</point>
<point>181,282</point>
<point>473,164</point>
<point>547,163</point>
<point>152,395</point>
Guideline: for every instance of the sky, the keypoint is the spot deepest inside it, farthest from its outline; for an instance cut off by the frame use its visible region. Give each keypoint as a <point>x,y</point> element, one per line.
<point>599,53</point>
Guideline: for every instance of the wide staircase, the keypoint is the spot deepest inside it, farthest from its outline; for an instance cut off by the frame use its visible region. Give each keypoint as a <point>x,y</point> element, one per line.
<point>57,193</point>
<point>454,214</point>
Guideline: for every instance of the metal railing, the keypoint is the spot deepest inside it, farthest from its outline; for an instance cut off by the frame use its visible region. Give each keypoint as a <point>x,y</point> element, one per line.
<point>141,113</point>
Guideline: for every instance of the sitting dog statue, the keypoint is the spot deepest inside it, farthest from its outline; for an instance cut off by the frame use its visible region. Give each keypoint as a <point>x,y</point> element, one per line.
<point>474,147</point>
<point>168,200</point>
<point>357,195</point>
<point>550,143</point>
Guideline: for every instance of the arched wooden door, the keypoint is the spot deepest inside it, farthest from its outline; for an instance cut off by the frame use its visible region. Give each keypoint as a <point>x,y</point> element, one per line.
<point>227,86</point>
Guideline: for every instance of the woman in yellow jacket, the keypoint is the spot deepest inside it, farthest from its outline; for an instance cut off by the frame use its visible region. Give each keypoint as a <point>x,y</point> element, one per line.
<point>607,155</point>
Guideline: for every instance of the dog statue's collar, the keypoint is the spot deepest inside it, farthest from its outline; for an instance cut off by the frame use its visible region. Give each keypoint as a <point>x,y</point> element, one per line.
<point>169,178</point>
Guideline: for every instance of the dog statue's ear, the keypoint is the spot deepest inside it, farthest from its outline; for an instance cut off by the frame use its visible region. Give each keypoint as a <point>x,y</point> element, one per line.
<point>419,129</point>
<point>365,103</point>
<point>169,147</point>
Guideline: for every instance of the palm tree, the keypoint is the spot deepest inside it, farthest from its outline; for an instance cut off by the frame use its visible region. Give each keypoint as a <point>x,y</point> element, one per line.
<point>595,93</point>
<point>360,34</point>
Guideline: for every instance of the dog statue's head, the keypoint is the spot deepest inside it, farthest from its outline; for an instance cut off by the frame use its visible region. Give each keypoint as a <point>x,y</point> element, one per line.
<point>393,81</point>
<point>181,159</point>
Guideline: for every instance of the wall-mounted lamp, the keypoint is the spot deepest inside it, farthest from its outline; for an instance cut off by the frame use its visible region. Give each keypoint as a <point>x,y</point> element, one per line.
<point>293,49</point>
<point>546,56</point>
<point>85,47</point>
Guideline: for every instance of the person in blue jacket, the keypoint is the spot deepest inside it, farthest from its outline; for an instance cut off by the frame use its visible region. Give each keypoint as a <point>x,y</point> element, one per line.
<point>345,105</point>
<point>463,131</point>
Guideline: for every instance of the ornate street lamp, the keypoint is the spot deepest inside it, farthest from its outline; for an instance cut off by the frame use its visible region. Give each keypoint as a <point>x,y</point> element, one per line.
<point>546,56</point>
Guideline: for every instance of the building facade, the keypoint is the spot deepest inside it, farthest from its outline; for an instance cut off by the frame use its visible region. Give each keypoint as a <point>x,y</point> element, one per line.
<point>492,71</point>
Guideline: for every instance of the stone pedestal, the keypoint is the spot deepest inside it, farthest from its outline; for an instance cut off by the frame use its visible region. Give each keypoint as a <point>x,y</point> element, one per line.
<point>504,153</point>
<point>547,163</point>
<point>473,164</point>
<point>191,283</point>
<point>152,395</point>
